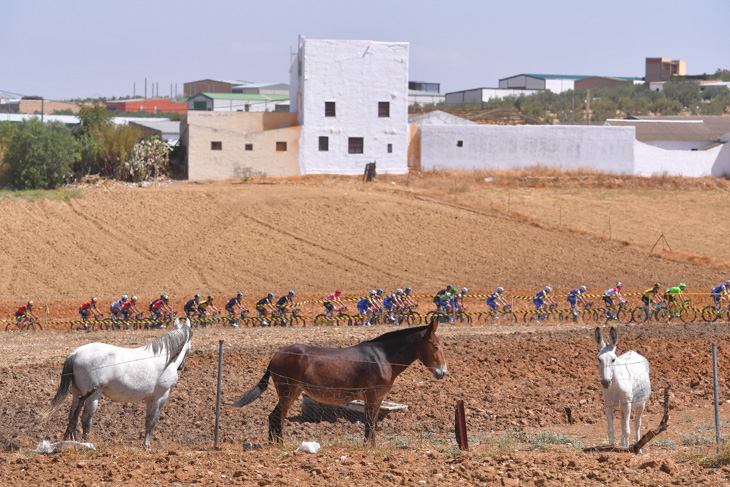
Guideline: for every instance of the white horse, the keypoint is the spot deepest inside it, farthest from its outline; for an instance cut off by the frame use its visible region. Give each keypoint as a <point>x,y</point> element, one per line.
<point>625,383</point>
<point>121,374</point>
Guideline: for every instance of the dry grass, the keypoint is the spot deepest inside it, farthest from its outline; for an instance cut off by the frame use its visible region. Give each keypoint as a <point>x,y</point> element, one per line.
<point>631,210</point>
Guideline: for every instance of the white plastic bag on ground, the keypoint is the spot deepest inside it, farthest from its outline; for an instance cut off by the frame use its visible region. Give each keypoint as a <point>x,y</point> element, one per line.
<point>46,446</point>
<point>309,447</point>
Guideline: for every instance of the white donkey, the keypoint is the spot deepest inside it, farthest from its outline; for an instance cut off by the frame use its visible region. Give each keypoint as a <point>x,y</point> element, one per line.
<point>625,383</point>
<point>121,374</point>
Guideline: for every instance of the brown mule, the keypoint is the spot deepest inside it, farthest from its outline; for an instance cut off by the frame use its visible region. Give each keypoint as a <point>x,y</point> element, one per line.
<point>365,371</point>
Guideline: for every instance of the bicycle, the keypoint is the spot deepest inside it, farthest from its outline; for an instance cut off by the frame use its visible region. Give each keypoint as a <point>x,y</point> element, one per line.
<point>24,324</point>
<point>620,314</point>
<point>295,319</point>
<point>88,325</point>
<point>712,313</point>
<point>545,315</point>
<point>647,313</point>
<point>409,316</point>
<point>495,316</point>
<point>683,311</point>
<point>462,317</point>
<point>587,313</point>
<point>340,318</point>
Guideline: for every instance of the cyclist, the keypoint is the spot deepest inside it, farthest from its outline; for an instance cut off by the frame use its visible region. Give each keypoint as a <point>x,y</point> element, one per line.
<point>437,298</point>
<point>542,296</point>
<point>89,307</point>
<point>191,307</point>
<point>608,296</point>
<point>407,299</point>
<point>364,308</point>
<point>651,295</point>
<point>160,307</point>
<point>234,306</point>
<point>25,312</point>
<point>719,292</point>
<point>335,296</point>
<point>391,301</point>
<point>378,298</point>
<point>264,305</point>
<point>673,293</point>
<point>116,307</point>
<point>458,300</point>
<point>130,307</point>
<point>282,303</point>
<point>444,305</point>
<point>495,299</point>
<point>207,308</point>
<point>573,297</point>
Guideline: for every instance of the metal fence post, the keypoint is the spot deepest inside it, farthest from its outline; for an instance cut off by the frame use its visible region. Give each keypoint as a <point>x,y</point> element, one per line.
<point>218,395</point>
<point>717,399</point>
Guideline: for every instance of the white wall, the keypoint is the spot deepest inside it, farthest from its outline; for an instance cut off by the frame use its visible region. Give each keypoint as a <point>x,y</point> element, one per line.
<point>559,85</point>
<point>607,149</point>
<point>650,161</point>
<point>231,105</point>
<point>356,75</point>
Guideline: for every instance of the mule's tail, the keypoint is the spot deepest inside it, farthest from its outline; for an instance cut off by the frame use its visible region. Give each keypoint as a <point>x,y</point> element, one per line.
<point>67,379</point>
<point>256,391</point>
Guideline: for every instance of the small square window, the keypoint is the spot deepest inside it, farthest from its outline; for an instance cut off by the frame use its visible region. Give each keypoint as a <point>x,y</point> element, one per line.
<point>383,109</point>
<point>324,144</point>
<point>216,146</point>
<point>329,109</point>
<point>459,143</point>
<point>355,145</point>
<point>390,148</point>
<point>249,146</point>
<point>281,146</point>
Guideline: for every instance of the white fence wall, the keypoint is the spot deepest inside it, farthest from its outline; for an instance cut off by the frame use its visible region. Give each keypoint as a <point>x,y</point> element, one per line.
<point>650,161</point>
<point>609,149</point>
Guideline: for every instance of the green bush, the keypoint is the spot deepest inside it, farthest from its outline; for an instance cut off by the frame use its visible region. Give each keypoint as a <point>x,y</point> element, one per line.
<point>40,156</point>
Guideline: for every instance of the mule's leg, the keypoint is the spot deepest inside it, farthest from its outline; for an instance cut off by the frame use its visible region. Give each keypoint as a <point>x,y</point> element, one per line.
<point>287,395</point>
<point>638,411</point>
<point>154,406</point>
<point>89,411</point>
<point>625,423</point>
<point>609,423</point>
<point>372,408</point>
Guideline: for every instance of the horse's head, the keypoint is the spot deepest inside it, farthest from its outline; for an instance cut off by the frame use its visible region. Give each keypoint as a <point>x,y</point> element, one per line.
<point>430,352</point>
<point>606,356</point>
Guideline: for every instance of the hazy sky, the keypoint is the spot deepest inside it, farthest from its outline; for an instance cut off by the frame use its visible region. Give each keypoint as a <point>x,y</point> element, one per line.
<point>80,48</point>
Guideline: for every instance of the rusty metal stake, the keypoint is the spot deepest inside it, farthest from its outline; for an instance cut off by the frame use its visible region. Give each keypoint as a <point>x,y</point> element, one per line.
<point>460,427</point>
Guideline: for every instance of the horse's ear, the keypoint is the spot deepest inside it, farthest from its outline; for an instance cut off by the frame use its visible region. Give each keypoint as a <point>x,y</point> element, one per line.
<point>613,335</point>
<point>177,323</point>
<point>433,326</point>
<point>599,338</point>
<point>187,322</point>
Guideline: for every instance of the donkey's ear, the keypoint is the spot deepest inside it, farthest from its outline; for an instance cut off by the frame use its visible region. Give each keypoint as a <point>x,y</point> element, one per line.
<point>599,338</point>
<point>187,322</point>
<point>613,335</point>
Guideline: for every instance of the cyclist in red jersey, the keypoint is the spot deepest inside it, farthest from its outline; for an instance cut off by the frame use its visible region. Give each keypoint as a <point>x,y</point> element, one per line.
<point>328,303</point>
<point>89,307</point>
<point>161,307</point>
<point>130,307</point>
<point>25,311</point>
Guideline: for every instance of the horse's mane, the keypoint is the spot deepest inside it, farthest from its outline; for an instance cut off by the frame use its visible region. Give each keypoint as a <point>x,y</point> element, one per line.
<point>171,342</point>
<point>397,334</point>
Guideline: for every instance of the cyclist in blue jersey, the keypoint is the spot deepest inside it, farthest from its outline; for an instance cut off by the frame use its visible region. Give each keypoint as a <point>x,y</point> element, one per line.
<point>407,299</point>
<point>496,298</point>
<point>389,302</point>
<point>574,297</point>
<point>364,308</point>
<point>720,292</point>
<point>542,296</point>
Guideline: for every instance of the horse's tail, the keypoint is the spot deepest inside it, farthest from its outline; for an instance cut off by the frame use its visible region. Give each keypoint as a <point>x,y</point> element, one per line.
<point>67,378</point>
<point>256,391</point>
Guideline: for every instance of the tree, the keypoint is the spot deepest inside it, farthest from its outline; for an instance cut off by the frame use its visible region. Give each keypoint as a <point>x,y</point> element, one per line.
<point>94,115</point>
<point>603,109</point>
<point>40,156</point>
<point>664,106</point>
<point>685,91</point>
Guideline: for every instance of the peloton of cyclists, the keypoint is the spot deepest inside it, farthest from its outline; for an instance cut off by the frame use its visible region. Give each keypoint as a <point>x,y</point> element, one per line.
<point>89,307</point>
<point>282,303</point>
<point>234,307</point>
<point>264,306</point>
<point>25,312</point>
<point>329,303</point>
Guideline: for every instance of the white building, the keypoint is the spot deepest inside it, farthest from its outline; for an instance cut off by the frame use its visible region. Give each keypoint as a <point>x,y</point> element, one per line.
<point>351,98</point>
<point>557,83</point>
<point>483,95</point>
<point>238,102</point>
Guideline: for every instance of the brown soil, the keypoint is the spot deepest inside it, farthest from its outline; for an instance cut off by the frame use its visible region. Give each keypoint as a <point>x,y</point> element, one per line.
<point>315,235</point>
<point>515,382</point>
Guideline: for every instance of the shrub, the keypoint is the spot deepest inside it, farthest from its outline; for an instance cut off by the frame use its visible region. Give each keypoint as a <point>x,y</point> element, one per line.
<point>151,159</point>
<point>40,156</point>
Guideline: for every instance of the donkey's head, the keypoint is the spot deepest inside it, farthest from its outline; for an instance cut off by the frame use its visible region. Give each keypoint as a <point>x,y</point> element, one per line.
<point>429,351</point>
<point>606,356</point>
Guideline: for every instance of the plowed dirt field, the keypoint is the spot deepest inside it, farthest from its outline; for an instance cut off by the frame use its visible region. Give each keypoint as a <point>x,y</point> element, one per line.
<point>516,381</point>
